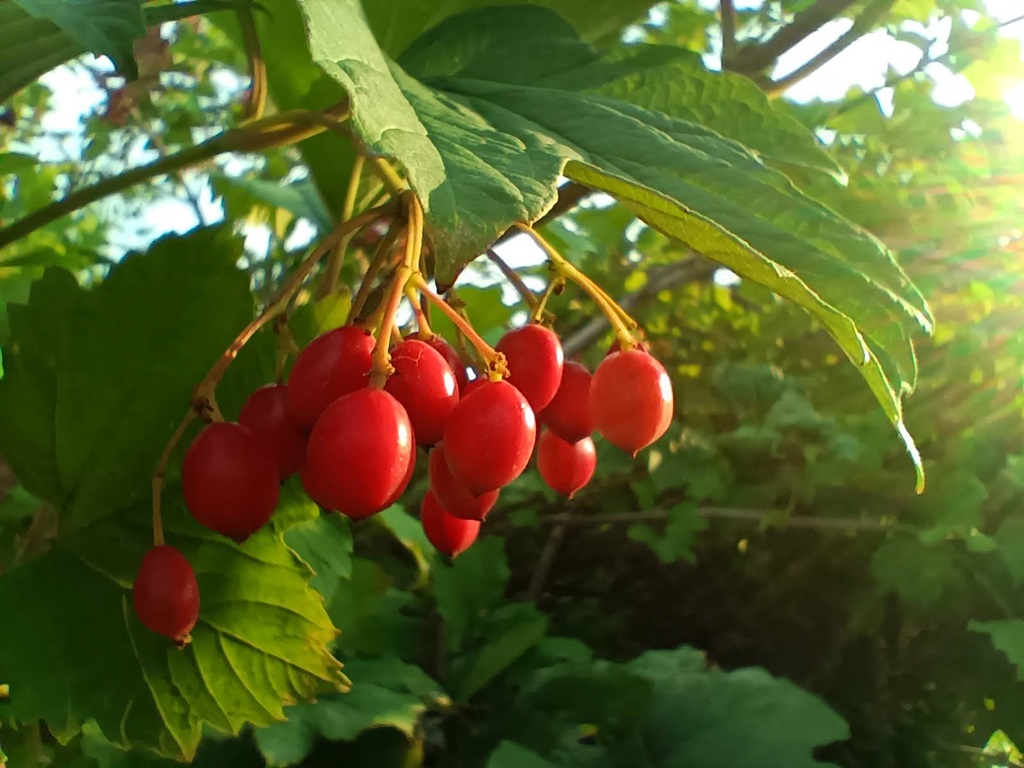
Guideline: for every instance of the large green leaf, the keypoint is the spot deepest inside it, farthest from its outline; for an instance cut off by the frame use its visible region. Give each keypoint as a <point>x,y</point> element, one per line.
<point>1008,637</point>
<point>396,23</point>
<point>88,400</point>
<point>103,27</point>
<point>385,693</point>
<point>509,754</point>
<point>38,35</point>
<point>484,135</point>
<point>715,719</point>
<point>261,641</point>
<point>675,82</point>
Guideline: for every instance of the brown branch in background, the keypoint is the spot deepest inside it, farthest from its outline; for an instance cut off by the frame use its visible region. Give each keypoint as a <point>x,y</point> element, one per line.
<point>727,20</point>
<point>686,271</point>
<point>755,58</point>
<point>864,23</point>
<point>758,516</point>
<point>546,562</point>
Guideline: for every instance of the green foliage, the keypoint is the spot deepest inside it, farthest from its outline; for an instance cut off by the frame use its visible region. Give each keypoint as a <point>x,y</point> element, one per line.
<point>84,429</point>
<point>261,641</point>
<point>389,694</point>
<point>772,525</point>
<point>103,27</point>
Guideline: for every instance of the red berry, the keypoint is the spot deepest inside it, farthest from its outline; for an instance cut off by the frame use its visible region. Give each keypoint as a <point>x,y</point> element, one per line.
<point>489,437</point>
<point>616,346</point>
<point>402,486</point>
<point>534,357</point>
<point>451,357</point>
<point>334,364</point>
<point>359,454</point>
<point>166,595</point>
<point>568,414</point>
<point>474,385</point>
<point>230,479</point>
<point>565,467</point>
<point>631,399</point>
<point>425,386</point>
<point>453,494</point>
<point>448,533</point>
<point>266,414</point>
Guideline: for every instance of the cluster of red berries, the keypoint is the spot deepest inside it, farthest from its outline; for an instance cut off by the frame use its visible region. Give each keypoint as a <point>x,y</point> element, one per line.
<point>355,446</point>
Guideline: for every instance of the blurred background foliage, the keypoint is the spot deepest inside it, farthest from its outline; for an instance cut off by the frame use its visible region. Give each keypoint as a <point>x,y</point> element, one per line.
<point>775,525</point>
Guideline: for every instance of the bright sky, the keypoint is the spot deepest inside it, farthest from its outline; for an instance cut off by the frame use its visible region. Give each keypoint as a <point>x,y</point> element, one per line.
<point>865,64</point>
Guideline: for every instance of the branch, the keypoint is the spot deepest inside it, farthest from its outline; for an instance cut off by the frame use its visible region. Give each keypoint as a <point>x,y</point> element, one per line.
<point>831,524</point>
<point>686,271</point>
<point>804,24</point>
<point>866,21</point>
<point>286,128</point>
<point>727,19</point>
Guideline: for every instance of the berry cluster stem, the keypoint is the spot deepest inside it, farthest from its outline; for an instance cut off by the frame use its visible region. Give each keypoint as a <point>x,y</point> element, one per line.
<point>381,368</point>
<point>332,273</point>
<point>494,360</point>
<point>422,323</point>
<point>617,316</point>
<point>380,256</point>
<point>161,470</point>
<point>204,402</point>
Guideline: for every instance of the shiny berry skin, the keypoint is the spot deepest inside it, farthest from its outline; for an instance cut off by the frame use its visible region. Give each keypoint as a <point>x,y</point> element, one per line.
<point>333,364</point>
<point>631,399</point>
<point>267,415</point>
<point>402,486</point>
<point>425,386</point>
<point>534,357</point>
<point>358,454</point>
<point>449,534</point>
<point>475,384</point>
<point>165,594</point>
<point>451,357</point>
<point>565,467</point>
<point>453,495</point>
<point>230,480</point>
<point>568,414</point>
<point>489,437</point>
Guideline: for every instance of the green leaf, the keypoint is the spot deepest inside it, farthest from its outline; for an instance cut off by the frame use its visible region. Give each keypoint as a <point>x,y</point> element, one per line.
<point>89,400</point>
<point>299,197</point>
<point>484,136</point>
<point>374,616</point>
<point>325,545</point>
<point>1008,637</point>
<point>12,162</point>
<point>509,754</point>
<point>1010,542</point>
<point>103,27</point>
<point>38,35</point>
<point>469,587</point>
<point>716,719</point>
<point>316,317</point>
<point>955,505</point>
<point>385,693</point>
<point>499,654</point>
<point>920,575</point>
<point>260,642</point>
<point>676,543</point>
<point>675,82</point>
<point>396,23</point>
